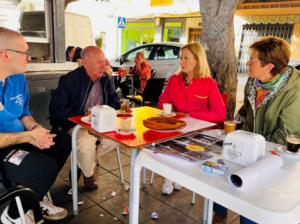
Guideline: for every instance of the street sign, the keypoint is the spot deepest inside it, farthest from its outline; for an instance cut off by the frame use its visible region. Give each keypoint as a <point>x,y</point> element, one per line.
<point>121,22</point>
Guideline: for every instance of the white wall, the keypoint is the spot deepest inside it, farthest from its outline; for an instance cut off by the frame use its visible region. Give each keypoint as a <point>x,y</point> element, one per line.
<point>78,30</point>
<point>9,15</point>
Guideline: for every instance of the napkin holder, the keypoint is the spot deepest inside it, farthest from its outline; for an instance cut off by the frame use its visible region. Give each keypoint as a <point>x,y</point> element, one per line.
<point>243,148</point>
<point>103,118</point>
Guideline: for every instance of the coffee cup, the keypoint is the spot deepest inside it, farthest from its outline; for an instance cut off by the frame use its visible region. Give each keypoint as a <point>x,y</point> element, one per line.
<point>293,143</point>
<point>167,108</point>
<point>125,123</point>
<point>229,126</point>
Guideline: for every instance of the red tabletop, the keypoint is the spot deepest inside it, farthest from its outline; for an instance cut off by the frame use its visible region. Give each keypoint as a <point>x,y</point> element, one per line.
<point>142,136</point>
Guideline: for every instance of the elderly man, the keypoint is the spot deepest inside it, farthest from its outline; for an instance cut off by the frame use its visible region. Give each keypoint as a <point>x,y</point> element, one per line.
<point>78,91</point>
<point>29,154</point>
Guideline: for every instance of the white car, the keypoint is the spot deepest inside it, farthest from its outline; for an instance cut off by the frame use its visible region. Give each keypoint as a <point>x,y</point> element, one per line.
<point>163,58</point>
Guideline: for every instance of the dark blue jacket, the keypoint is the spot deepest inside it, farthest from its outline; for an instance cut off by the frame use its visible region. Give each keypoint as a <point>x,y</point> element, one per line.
<point>70,97</point>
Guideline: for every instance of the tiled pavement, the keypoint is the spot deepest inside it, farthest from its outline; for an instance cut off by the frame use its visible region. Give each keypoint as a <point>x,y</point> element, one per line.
<point>100,207</point>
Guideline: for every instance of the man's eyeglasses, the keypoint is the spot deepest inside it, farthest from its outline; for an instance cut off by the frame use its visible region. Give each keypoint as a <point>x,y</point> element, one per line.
<point>27,53</point>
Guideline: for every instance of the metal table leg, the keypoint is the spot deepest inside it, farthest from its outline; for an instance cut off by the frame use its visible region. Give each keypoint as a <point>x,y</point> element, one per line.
<point>132,219</point>
<point>207,211</point>
<point>144,179</point>
<point>74,169</point>
<point>210,211</point>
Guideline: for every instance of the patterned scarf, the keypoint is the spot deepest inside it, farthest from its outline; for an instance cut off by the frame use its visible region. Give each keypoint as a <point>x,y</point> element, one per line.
<point>267,91</point>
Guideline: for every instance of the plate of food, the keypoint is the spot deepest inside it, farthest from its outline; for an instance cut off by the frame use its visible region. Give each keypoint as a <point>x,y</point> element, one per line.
<point>86,119</point>
<point>163,123</point>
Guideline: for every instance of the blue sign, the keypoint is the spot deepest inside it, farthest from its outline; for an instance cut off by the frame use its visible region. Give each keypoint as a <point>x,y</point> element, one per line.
<point>121,22</point>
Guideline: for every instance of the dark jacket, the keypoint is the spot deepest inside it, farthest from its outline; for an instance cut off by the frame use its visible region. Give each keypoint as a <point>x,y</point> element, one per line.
<point>70,97</point>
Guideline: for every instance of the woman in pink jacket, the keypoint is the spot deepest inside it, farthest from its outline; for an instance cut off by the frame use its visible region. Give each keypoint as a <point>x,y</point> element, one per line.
<point>193,91</point>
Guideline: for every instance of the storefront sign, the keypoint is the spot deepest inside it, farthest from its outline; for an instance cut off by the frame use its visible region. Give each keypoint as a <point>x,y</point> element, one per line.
<point>161,2</point>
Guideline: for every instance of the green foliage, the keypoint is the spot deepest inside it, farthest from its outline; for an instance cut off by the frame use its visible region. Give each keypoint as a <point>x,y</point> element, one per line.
<point>99,41</point>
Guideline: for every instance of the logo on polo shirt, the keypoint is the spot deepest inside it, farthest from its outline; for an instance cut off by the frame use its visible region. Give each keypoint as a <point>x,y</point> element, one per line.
<point>18,99</point>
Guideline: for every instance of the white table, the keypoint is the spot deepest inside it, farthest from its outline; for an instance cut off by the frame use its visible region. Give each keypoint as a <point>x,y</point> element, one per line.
<point>276,200</point>
<point>136,144</point>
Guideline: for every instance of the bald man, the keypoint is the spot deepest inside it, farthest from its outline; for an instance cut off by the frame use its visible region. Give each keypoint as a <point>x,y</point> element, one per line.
<point>77,91</point>
<point>30,155</point>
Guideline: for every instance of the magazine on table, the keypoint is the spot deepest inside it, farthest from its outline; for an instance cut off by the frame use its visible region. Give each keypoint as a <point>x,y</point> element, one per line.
<point>193,147</point>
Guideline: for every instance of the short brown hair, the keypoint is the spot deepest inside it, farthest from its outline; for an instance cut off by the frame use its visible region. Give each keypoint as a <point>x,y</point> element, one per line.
<point>273,50</point>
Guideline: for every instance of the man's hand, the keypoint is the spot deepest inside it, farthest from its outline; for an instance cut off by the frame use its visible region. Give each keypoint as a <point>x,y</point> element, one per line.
<point>93,132</point>
<point>41,138</point>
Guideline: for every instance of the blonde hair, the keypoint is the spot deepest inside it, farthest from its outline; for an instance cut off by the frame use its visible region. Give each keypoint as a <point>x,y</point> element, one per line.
<point>198,51</point>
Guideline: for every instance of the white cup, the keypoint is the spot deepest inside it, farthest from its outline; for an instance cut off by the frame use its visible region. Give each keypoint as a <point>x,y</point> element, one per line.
<point>167,107</point>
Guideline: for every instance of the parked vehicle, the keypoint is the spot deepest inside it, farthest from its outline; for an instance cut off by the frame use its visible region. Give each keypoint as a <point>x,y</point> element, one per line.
<point>163,58</point>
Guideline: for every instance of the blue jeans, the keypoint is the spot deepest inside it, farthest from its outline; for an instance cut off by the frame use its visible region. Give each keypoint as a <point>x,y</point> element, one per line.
<point>220,210</point>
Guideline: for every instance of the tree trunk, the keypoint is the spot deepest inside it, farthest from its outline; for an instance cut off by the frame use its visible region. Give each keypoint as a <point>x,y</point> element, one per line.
<point>218,40</point>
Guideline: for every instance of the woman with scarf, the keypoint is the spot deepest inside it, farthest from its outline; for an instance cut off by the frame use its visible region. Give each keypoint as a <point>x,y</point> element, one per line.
<point>272,98</point>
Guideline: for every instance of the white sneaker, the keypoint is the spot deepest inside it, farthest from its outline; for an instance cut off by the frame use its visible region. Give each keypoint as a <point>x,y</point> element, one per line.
<point>177,187</point>
<point>52,212</point>
<point>6,219</point>
<point>167,187</point>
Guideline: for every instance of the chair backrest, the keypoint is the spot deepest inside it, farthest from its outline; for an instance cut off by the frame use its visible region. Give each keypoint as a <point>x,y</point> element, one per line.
<point>153,90</point>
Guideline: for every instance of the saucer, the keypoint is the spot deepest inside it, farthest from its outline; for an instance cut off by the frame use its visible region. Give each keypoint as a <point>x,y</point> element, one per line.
<point>126,132</point>
<point>287,154</point>
<point>162,114</point>
<point>86,119</point>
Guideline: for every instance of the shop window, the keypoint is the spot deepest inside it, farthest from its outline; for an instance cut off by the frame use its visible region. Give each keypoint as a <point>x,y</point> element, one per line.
<point>33,24</point>
<point>30,18</point>
<point>194,34</point>
<point>172,32</point>
<point>136,34</point>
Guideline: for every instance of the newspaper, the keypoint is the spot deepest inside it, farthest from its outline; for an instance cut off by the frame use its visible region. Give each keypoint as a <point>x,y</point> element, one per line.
<point>193,147</point>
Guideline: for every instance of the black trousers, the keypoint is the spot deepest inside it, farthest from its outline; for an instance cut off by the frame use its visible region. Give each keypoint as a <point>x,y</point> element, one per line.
<point>38,169</point>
